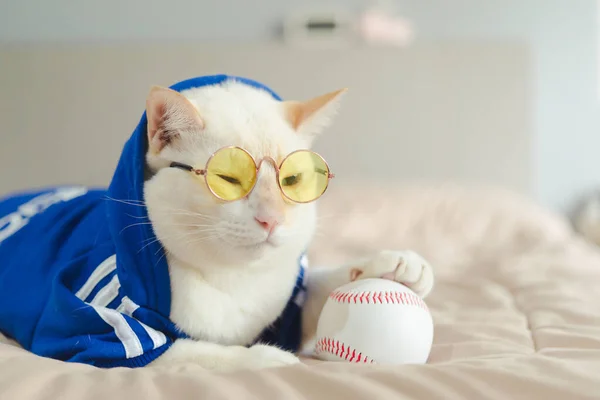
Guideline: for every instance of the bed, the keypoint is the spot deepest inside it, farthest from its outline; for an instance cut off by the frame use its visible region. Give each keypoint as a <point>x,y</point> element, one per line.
<point>515,309</point>
<point>516,300</point>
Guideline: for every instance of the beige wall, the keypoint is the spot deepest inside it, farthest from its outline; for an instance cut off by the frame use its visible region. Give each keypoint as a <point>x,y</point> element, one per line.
<point>436,111</point>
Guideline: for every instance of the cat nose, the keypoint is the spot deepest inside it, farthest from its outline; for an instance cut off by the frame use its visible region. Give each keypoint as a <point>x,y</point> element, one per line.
<point>268,223</point>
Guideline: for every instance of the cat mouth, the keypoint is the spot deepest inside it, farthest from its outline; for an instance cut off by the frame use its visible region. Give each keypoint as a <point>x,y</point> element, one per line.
<point>266,243</point>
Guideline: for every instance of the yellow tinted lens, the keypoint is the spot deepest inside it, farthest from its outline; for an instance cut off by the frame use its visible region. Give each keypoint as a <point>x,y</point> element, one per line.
<point>231,173</point>
<point>304,176</point>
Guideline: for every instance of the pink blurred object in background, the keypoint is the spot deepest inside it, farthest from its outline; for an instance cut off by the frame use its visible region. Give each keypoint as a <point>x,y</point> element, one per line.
<point>378,27</point>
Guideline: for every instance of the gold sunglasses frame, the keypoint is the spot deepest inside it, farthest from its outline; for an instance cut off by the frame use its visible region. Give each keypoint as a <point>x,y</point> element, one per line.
<point>277,167</point>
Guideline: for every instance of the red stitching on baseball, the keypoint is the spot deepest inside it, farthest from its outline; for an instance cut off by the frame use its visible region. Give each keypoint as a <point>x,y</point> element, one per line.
<point>404,298</point>
<point>329,345</point>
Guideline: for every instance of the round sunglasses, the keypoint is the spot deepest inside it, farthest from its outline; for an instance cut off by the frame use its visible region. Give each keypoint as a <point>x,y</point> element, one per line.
<point>231,174</point>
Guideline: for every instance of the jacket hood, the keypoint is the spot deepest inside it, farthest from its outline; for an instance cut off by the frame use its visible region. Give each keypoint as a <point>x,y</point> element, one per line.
<point>141,262</point>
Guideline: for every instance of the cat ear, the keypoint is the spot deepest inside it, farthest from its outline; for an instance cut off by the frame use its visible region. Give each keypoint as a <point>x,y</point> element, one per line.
<point>312,116</point>
<point>169,114</point>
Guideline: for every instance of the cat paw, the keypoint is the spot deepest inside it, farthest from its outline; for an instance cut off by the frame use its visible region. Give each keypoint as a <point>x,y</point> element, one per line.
<point>262,356</point>
<point>404,266</point>
<point>219,358</point>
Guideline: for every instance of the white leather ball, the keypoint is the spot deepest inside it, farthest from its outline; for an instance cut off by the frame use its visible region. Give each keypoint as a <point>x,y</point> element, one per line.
<point>374,321</point>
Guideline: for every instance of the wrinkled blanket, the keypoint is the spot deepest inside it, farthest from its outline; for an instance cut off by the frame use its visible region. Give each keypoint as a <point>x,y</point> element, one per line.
<point>516,309</point>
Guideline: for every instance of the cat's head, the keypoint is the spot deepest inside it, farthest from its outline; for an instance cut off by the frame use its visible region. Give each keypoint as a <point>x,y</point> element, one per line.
<point>188,127</point>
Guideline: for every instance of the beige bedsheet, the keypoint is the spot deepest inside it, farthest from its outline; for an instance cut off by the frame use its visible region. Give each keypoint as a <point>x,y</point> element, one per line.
<point>516,310</point>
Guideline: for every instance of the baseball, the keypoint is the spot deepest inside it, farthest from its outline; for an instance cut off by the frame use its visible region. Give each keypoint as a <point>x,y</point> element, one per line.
<point>374,321</point>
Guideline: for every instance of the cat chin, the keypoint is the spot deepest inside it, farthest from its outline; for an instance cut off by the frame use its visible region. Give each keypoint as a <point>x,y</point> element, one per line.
<point>221,253</point>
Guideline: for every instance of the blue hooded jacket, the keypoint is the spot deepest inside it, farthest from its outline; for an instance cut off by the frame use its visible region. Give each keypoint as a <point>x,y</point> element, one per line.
<point>75,285</point>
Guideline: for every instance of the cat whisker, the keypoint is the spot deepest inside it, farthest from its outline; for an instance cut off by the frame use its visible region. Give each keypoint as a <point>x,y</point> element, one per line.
<point>189,214</point>
<point>81,308</point>
<point>161,248</point>
<point>148,244</point>
<point>193,226</point>
<point>198,221</point>
<point>156,239</point>
<point>132,225</point>
<point>173,209</point>
<point>148,239</point>
<point>167,210</point>
<point>137,203</point>
<point>165,251</point>
<point>202,239</point>
<point>178,236</point>
<point>137,217</point>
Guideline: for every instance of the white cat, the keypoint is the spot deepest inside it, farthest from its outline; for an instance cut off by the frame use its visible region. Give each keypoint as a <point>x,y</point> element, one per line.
<point>232,265</point>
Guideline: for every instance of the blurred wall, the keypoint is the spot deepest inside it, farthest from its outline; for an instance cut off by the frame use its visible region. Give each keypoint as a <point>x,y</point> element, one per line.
<point>456,123</point>
<point>562,34</point>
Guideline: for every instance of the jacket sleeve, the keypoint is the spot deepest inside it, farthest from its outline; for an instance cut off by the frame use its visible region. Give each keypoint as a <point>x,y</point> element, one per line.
<point>73,330</point>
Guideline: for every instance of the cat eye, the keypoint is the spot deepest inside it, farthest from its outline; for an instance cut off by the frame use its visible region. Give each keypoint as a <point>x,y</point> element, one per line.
<point>231,174</point>
<point>229,179</point>
<point>291,180</point>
